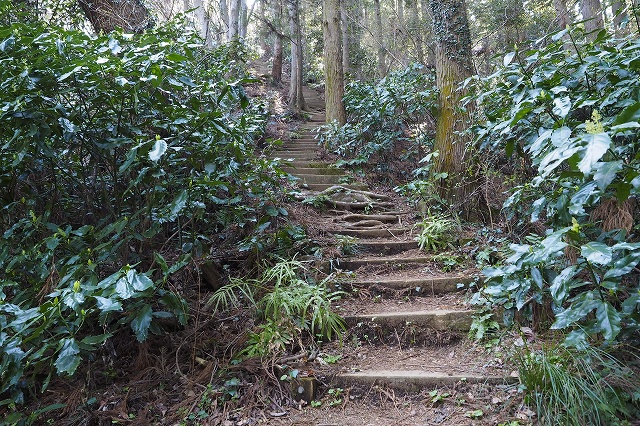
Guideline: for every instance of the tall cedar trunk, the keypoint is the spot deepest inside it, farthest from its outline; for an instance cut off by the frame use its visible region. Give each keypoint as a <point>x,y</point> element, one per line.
<point>334,77</point>
<point>234,19</point>
<point>382,67</point>
<point>106,15</point>
<point>276,66</point>
<point>346,40</point>
<point>296,98</point>
<point>592,14</point>
<point>453,65</point>
<point>224,14</point>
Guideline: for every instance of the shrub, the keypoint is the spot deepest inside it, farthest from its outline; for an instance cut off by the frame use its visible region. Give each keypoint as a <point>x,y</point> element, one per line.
<point>121,158</point>
<point>397,109</point>
<point>574,112</point>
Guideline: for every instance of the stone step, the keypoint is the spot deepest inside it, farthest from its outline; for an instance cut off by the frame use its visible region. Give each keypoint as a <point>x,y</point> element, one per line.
<point>425,286</point>
<point>416,380</point>
<point>351,264</point>
<point>370,232</point>
<point>435,319</point>
<point>314,171</point>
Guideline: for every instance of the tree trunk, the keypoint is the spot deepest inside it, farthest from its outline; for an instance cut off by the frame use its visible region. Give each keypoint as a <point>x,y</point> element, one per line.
<point>106,15</point>
<point>453,65</point>
<point>224,15</point>
<point>414,30</point>
<point>382,66</point>
<point>334,77</point>
<point>296,98</point>
<point>243,21</point>
<point>234,20</point>
<point>276,66</point>
<point>344,21</point>
<point>592,15</point>
<point>619,10</point>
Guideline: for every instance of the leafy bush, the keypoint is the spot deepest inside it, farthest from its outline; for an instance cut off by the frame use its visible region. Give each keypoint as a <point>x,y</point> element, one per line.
<point>573,112</point>
<point>291,303</point>
<point>380,116</point>
<point>121,157</point>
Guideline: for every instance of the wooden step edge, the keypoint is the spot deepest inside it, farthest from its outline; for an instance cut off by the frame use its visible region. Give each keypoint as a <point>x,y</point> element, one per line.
<point>370,232</point>
<point>354,263</point>
<point>414,380</point>
<point>437,319</point>
<point>432,285</point>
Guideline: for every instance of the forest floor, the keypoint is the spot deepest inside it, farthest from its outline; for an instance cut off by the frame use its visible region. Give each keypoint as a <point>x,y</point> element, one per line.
<point>405,358</point>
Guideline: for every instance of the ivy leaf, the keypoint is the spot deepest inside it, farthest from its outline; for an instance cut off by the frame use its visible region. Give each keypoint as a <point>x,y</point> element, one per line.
<point>159,148</point>
<point>608,320</point>
<point>597,253</point>
<point>597,145</point>
<point>140,324</point>
<point>68,358</point>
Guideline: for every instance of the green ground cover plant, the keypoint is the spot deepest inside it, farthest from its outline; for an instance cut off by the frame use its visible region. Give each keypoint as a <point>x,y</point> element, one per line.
<point>122,158</point>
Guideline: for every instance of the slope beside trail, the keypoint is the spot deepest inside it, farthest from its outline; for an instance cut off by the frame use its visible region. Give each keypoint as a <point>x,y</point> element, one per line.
<point>405,358</point>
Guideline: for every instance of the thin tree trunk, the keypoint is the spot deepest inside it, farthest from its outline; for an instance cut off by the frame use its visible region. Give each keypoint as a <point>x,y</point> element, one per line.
<point>382,66</point>
<point>453,65</point>
<point>224,15</point>
<point>243,19</point>
<point>296,98</point>
<point>234,18</point>
<point>592,14</point>
<point>619,9</point>
<point>276,66</point>
<point>334,77</point>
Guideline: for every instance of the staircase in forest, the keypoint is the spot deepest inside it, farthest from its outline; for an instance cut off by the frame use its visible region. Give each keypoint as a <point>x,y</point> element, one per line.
<point>409,317</point>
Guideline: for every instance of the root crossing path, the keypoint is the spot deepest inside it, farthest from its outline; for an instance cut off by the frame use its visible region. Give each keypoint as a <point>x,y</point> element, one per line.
<point>407,322</point>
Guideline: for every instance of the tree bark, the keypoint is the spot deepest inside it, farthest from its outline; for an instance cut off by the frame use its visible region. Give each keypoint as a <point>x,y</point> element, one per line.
<point>234,20</point>
<point>276,66</point>
<point>382,66</point>
<point>453,65</point>
<point>106,15</point>
<point>296,98</point>
<point>592,15</point>
<point>619,9</point>
<point>346,40</point>
<point>334,77</point>
<point>224,15</point>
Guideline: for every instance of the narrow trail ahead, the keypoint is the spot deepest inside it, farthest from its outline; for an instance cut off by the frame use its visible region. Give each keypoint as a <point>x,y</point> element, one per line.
<point>407,321</point>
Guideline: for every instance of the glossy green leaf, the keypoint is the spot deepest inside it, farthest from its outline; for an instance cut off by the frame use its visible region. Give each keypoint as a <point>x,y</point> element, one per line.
<point>159,148</point>
<point>608,320</point>
<point>68,356</point>
<point>606,173</point>
<point>141,322</point>
<point>596,146</point>
<point>597,253</point>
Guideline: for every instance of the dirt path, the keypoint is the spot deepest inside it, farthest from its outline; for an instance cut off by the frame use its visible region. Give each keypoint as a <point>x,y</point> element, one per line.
<point>406,358</point>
